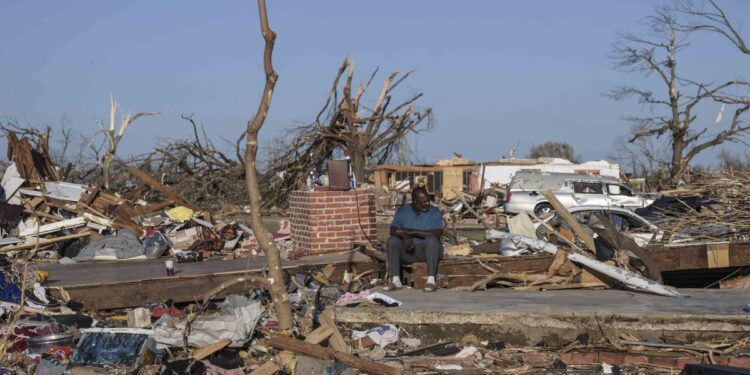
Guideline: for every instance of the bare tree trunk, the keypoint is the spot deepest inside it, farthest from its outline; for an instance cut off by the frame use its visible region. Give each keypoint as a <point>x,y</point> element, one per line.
<point>278,280</point>
<point>106,165</point>
<point>114,136</point>
<point>678,146</point>
<point>358,155</point>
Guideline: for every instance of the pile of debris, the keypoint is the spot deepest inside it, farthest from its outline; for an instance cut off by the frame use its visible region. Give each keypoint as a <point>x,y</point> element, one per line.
<point>483,208</point>
<point>240,335</point>
<point>585,256</point>
<point>75,222</point>
<point>218,337</point>
<point>711,208</point>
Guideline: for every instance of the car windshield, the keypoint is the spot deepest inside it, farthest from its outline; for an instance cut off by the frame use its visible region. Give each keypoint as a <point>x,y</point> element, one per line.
<point>628,223</point>
<point>622,222</point>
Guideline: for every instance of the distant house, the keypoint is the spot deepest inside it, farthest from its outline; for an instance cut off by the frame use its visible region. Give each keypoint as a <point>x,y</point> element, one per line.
<point>456,174</point>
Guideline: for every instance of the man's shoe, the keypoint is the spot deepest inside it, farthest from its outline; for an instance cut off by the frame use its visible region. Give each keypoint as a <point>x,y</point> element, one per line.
<point>391,287</point>
<point>430,287</point>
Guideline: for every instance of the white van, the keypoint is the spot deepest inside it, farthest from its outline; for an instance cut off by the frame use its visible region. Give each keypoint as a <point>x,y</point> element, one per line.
<point>571,189</point>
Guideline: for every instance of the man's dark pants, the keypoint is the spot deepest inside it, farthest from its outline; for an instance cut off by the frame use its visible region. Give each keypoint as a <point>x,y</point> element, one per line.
<point>428,251</point>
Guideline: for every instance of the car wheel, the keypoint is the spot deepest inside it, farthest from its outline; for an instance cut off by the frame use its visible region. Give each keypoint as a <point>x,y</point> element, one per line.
<point>543,209</point>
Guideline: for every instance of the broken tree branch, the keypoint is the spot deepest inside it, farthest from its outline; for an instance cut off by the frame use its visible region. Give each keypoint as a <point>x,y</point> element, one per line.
<point>273,257</point>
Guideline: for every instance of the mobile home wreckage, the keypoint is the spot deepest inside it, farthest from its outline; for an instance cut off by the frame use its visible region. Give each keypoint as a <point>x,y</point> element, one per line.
<point>458,174</point>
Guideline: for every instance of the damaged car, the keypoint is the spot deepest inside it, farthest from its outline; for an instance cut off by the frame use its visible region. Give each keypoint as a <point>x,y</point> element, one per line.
<point>524,192</point>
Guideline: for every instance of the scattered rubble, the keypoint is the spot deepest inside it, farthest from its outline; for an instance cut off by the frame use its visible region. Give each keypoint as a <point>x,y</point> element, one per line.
<point>46,220</point>
<point>712,208</point>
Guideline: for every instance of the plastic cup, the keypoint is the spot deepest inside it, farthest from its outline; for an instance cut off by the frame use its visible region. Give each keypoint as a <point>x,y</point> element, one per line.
<point>169,265</point>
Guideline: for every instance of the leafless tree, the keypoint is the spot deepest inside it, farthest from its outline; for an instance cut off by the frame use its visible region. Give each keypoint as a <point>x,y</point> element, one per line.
<point>273,256</point>
<point>39,138</point>
<point>732,162</point>
<point>114,135</point>
<point>645,158</point>
<point>673,112</point>
<point>706,15</point>
<point>554,150</point>
<point>207,175</point>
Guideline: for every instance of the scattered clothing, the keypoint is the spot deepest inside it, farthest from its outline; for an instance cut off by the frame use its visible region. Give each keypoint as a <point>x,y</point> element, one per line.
<point>366,296</point>
<point>382,336</point>
<point>351,297</point>
<point>9,292</point>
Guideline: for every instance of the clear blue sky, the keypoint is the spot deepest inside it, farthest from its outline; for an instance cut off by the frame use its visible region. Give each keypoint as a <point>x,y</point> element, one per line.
<point>496,73</point>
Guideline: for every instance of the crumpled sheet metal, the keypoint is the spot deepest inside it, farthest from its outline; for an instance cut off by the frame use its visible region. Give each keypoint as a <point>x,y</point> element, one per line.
<point>100,347</point>
<point>236,321</point>
<point>630,279</point>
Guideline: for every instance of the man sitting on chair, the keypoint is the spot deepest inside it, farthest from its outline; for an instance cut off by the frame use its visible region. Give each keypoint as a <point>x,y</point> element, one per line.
<point>415,237</point>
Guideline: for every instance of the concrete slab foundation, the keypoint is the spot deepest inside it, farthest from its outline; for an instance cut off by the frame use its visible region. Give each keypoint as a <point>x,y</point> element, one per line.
<point>558,317</point>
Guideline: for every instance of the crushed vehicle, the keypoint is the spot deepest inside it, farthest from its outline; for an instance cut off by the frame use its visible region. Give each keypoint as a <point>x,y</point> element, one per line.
<point>571,189</point>
<point>639,228</point>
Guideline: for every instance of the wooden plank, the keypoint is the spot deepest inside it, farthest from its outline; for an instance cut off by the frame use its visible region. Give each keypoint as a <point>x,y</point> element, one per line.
<point>591,277</point>
<point>560,257</point>
<point>453,181</point>
<point>319,334</point>
<point>122,217</point>
<point>467,272</point>
<point>156,185</point>
<point>90,195</point>
<point>207,350</point>
<point>44,242</point>
<point>113,285</point>
<point>717,255</point>
<point>667,258</point>
<point>320,352</point>
<point>582,285</point>
<point>695,256</point>
<point>96,273</point>
<point>34,202</point>
<point>565,215</point>
<point>739,253</point>
<point>42,214</point>
<point>151,208</point>
<point>271,367</point>
<point>337,341</point>
<point>53,227</point>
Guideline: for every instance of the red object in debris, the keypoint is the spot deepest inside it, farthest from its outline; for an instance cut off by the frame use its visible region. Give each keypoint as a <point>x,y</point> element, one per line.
<point>18,338</point>
<point>507,197</point>
<point>270,325</point>
<point>60,353</point>
<point>158,312</point>
<point>296,253</point>
<point>282,236</point>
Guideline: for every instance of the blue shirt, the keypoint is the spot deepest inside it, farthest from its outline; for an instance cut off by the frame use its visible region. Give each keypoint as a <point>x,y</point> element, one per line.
<point>407,218</point>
